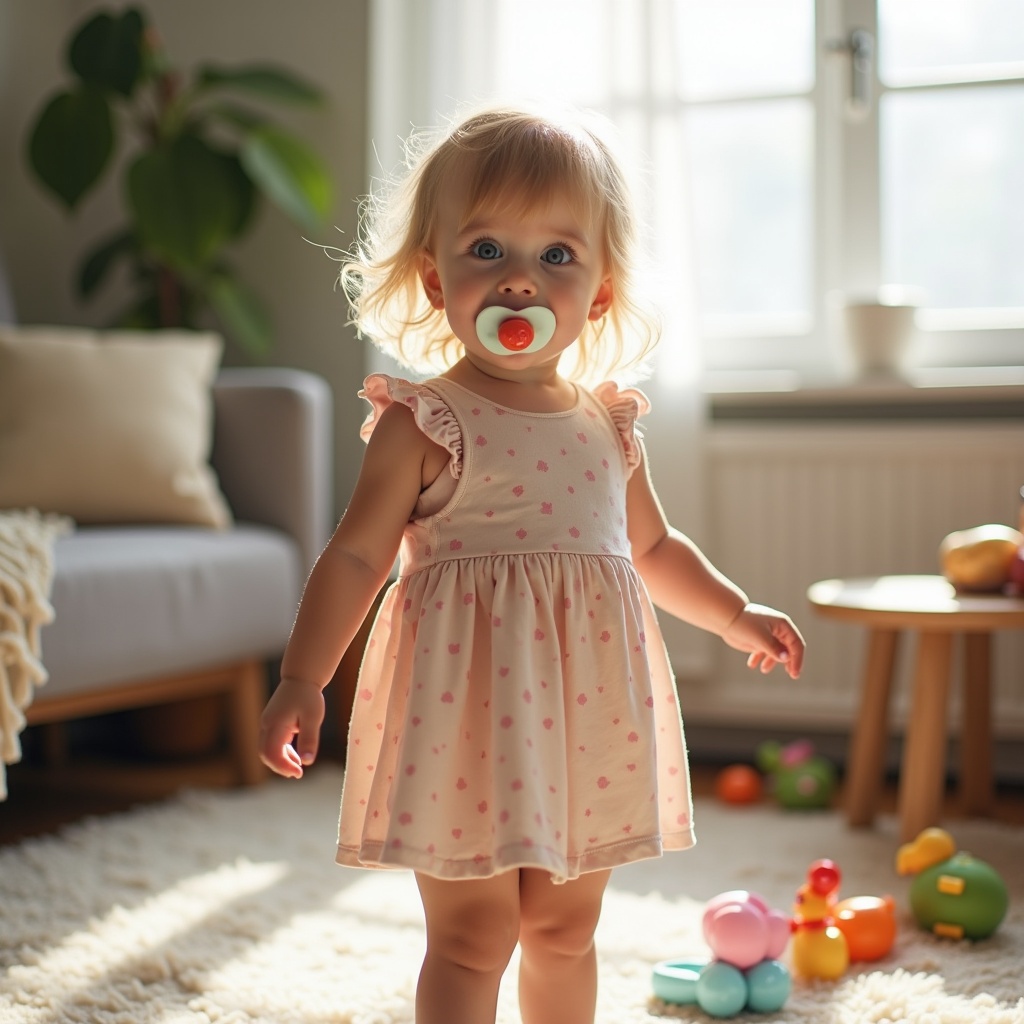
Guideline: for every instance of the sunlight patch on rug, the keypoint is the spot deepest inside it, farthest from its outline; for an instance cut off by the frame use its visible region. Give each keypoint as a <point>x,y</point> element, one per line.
<point>227,908</point>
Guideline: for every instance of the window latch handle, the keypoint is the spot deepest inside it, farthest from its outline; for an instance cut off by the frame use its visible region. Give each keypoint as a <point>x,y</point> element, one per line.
<point>860,45</point>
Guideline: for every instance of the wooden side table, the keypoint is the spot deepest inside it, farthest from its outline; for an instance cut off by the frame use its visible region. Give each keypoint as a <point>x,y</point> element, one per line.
<point>930,607</point>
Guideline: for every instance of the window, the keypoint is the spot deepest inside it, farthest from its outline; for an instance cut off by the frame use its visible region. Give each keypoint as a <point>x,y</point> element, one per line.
<point>951,163</point>
<point>798,150</point>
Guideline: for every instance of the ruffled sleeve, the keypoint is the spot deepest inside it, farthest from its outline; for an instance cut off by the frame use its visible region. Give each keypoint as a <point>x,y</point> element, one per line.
<point>432,415</point>
<point>625,407</point>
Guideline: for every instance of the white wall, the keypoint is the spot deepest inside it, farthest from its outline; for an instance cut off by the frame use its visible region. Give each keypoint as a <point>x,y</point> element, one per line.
<point>325,40</point>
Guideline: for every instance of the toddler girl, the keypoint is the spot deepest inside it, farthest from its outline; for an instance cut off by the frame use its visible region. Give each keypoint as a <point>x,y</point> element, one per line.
<point>516,721</point>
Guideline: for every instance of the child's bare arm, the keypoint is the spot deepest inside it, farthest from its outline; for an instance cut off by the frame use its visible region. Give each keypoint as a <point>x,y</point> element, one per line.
<point>346,578</point>
<point>682,581</point>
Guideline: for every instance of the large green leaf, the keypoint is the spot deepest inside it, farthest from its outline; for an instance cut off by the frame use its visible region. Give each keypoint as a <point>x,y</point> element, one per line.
<point>261,80</point>
<point>107,51</point>
<point>97,263</point>
<point>237,117</point>
<point>246,198</point>
<point>72,142</point>
<point>241,313</point>
<point>189,200</point>
<point>290,173</point>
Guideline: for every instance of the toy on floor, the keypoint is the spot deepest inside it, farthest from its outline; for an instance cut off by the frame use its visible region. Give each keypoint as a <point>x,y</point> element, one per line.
<point>819,948</point>
<point>738,784</point>
<point>743,930</point>
<point>801,780</point>
<point>747,938</point>
<point>869,925</point>
<point>954,894</point>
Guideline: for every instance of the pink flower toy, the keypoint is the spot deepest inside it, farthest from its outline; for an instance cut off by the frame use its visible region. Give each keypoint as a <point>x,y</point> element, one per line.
<point>747,939</point>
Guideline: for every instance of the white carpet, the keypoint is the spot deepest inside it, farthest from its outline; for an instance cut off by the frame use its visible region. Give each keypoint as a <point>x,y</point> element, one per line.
<point>228,908</point>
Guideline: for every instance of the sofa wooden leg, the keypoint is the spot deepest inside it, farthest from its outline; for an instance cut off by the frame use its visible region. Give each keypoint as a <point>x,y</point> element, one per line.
<point>54,742</point>
<point>245,705</point>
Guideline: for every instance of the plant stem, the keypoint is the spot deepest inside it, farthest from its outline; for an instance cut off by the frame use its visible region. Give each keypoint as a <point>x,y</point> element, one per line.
<point>168,290</point>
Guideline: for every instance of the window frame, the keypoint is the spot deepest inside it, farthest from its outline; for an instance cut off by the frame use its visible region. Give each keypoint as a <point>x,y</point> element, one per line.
<point>847,229</point>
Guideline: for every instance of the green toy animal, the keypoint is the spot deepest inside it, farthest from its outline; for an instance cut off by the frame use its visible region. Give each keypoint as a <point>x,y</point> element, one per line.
<point>954,894</point>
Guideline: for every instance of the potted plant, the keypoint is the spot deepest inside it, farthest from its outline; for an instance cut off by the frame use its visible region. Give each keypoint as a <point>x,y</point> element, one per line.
<point>197,165</point>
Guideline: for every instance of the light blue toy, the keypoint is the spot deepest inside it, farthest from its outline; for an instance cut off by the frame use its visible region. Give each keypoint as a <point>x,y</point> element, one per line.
<point>720,989</point>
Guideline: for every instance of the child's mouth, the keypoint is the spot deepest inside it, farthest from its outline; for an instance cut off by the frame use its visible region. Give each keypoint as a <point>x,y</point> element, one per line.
<point>511,332</point>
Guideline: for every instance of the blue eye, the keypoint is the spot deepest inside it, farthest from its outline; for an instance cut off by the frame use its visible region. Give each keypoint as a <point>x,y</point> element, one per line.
<point>557,254</point>
<point>485,249</point>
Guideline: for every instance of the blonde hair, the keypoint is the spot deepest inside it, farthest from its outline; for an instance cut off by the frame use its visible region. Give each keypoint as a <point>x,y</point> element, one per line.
<point>516,158</point>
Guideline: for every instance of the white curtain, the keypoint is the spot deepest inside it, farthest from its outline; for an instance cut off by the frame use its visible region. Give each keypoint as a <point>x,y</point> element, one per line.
<point>430,58</point>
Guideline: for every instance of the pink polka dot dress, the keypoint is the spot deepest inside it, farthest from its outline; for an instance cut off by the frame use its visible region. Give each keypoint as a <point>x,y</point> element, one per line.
<point>515,706</point>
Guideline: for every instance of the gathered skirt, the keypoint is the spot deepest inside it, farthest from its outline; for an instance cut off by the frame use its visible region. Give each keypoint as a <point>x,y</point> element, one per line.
<point>515,711</point>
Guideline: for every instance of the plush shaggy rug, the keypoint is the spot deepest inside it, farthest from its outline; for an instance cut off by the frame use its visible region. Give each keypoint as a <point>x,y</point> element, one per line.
<point>228,907</point>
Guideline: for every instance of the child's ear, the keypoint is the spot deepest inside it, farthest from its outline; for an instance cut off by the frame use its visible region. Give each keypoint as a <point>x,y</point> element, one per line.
<point>431,281</point>
<point>602,300</point>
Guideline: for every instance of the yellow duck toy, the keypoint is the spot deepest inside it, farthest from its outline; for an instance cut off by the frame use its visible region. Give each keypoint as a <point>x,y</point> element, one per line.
<point>818,948</point>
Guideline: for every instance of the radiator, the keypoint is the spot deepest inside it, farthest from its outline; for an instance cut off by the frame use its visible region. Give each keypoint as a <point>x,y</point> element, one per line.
<point>791,504</point>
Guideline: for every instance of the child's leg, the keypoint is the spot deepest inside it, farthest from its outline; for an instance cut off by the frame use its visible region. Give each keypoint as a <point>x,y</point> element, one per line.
<point>472,928</point>
<point>558,971</point>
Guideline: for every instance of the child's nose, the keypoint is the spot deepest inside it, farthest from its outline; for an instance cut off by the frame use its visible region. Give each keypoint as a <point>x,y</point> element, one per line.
<point>517,281</point>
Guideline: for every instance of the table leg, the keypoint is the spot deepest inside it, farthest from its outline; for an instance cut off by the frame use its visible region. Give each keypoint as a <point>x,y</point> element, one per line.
<point>976,745</point>
<point>923,776</point>
<point>867,748</point>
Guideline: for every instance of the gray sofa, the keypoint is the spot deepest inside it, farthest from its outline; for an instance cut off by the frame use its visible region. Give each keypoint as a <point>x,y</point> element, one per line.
<point>154,615</point>
<point>150,615</point>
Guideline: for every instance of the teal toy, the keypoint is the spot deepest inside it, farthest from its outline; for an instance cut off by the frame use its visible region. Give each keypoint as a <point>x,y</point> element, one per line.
<point>954,894</point>
<point>720,989</point>
<point>801,780</point>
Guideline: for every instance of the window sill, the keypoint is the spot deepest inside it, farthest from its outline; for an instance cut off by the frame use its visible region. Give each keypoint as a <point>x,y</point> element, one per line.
<point>976,392</point>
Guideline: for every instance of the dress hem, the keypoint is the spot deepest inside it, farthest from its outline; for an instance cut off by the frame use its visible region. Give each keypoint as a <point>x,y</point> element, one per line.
<point>377,856</point>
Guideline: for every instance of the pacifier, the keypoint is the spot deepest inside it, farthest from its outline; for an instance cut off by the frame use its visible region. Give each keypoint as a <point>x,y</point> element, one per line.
<point>511,332</point>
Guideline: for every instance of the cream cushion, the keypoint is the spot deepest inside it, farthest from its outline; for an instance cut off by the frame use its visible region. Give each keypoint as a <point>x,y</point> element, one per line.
<point>109,427</point>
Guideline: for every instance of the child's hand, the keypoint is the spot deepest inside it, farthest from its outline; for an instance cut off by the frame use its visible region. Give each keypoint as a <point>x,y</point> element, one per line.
<point>295,710</point>
<point>769,637</point>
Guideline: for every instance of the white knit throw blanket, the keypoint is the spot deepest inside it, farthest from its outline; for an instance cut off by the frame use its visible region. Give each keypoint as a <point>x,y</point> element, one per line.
<point>26,575</point>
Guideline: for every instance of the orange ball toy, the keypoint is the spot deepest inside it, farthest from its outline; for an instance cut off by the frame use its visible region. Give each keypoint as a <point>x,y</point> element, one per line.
<point>869,924</point>
<point>738,784</point>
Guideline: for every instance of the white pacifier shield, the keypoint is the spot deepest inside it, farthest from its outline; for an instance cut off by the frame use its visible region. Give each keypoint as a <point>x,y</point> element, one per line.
<point>489,322</point>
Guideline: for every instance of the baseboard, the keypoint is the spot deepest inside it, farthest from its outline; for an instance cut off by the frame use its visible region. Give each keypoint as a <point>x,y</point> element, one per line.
<point>719,744</point>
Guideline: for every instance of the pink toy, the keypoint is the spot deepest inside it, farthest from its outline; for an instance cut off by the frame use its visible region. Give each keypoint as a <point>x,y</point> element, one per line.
<point>742,930</point>
<point>747,938</point>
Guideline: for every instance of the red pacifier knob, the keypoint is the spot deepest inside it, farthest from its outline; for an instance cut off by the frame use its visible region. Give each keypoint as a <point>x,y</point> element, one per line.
<point>515,334</point>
